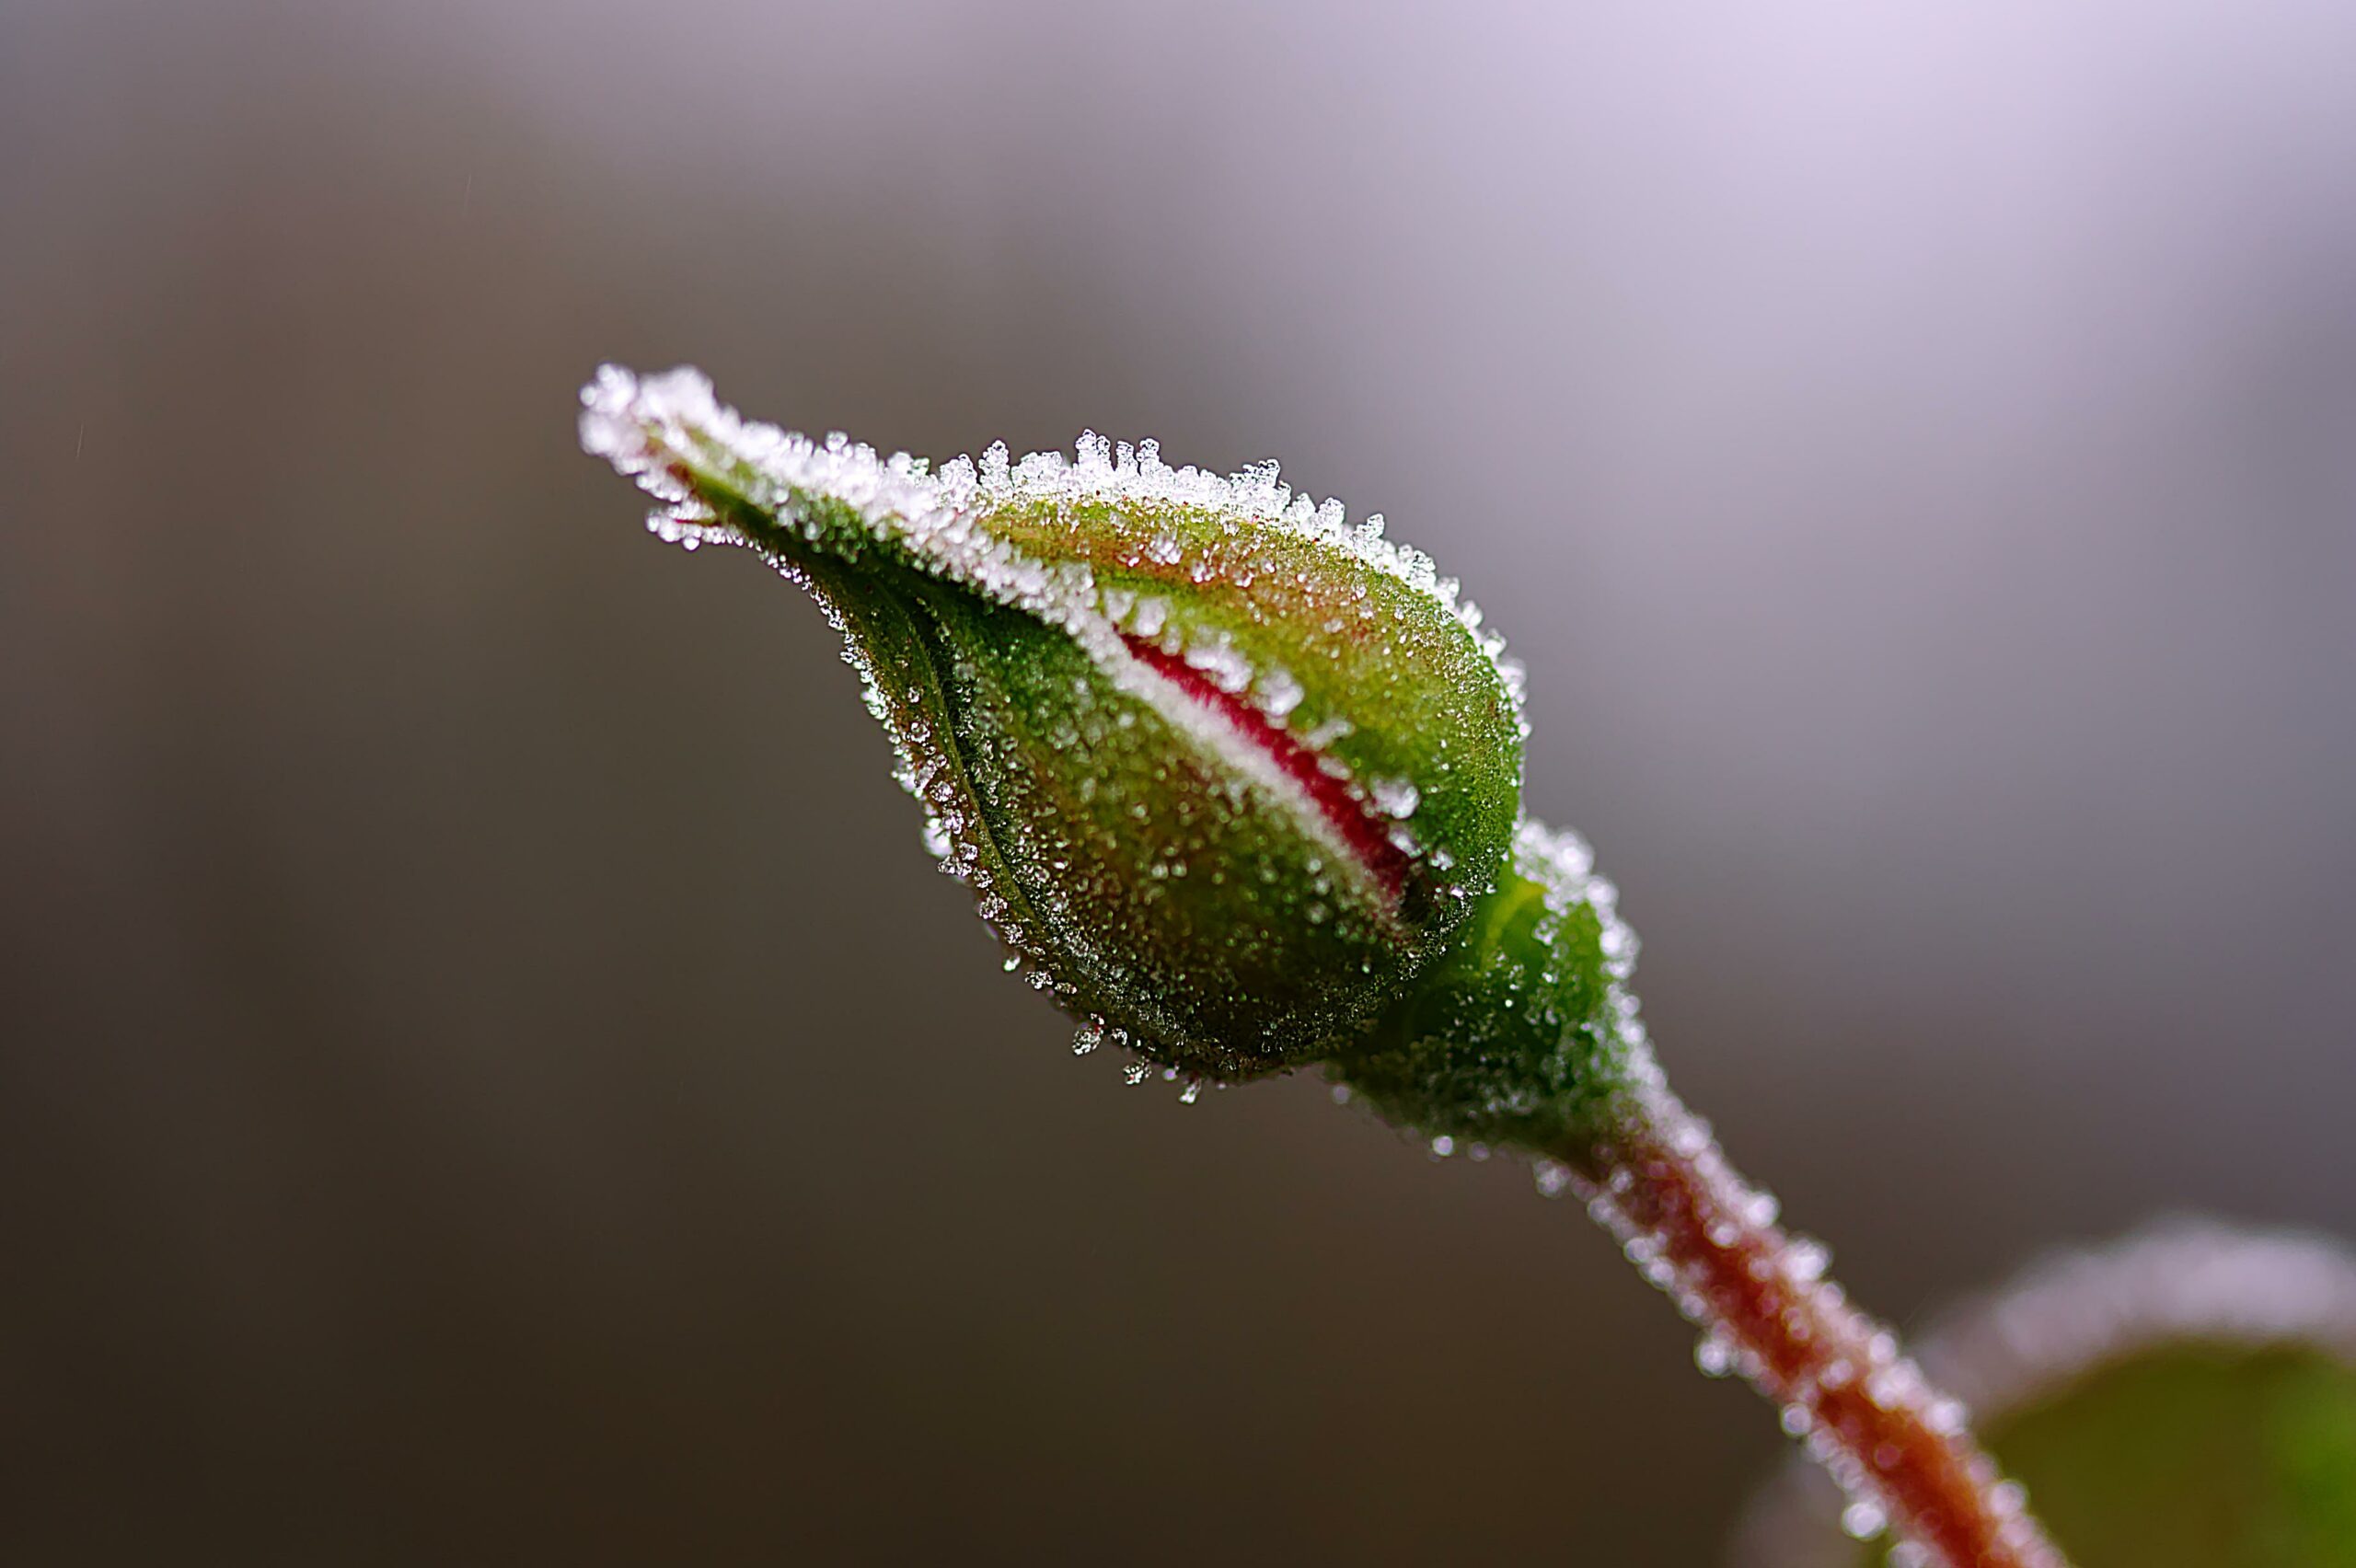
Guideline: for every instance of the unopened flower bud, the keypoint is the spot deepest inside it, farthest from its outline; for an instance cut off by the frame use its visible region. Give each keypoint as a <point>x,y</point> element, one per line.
<point>1226,771</point>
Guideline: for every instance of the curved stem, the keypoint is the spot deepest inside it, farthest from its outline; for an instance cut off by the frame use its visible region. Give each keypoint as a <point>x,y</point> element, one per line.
<point>1897,1446</point>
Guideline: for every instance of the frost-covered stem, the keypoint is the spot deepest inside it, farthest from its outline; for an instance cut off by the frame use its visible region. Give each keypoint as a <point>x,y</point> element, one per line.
<point>1898,1446</point>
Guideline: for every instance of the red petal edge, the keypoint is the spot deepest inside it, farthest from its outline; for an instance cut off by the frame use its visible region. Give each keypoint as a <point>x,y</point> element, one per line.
<point>1367,834</point>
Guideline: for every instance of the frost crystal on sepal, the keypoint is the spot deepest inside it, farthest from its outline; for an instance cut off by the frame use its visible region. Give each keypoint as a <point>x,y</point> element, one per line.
<point>1226,770</point>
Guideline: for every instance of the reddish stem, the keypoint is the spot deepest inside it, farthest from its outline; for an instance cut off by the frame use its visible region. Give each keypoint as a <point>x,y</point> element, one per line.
<point>1897,1446</point>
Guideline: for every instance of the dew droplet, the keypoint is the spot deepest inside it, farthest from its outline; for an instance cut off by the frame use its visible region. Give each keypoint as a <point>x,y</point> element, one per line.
<point>1864,1519</point>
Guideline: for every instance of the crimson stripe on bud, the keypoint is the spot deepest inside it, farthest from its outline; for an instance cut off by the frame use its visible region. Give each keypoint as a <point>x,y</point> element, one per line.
<point>1326,797</point>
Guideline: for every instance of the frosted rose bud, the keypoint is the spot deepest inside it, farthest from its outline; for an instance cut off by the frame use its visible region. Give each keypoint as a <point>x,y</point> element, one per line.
<point>1228,773</point>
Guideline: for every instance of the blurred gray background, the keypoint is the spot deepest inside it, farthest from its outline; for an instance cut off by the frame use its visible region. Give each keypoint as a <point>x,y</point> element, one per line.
<point>486,1073</point>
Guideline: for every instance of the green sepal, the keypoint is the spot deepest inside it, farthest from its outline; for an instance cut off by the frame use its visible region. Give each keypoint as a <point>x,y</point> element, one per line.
<point>1525,1036</point>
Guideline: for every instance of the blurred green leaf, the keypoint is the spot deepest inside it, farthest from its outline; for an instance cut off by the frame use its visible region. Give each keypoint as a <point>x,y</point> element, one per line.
<point>2193,1455</point>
